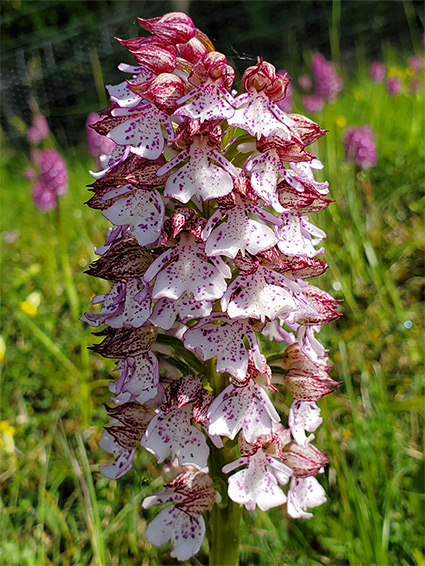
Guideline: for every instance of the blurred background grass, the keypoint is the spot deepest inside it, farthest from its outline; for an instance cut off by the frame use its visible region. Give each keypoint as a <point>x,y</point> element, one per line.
<point>55,506</point>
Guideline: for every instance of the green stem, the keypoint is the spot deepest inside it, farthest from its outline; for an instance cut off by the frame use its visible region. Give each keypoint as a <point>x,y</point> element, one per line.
<point>52,264</point>
<point>334,30</point>
<point>71,290</point>
<point>224,528</point>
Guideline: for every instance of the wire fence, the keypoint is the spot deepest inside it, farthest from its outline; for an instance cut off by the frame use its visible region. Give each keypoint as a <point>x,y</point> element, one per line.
<point>60,52</point>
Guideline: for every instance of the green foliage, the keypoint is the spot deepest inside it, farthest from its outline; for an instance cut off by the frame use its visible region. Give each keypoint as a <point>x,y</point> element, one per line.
<point>55,506</point>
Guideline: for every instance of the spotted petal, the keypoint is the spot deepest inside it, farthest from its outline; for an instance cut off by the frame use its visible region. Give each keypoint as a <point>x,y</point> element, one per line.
<point>265,171</point>
<point>173,433</point>
<point>256,114</point>
<point>185,532</point>
<point>142,211</point>
<point>256,485</point>
<point>226,341</point>
<point>188,273</point>
<point>142,131</point>
<point>139,378</point>
<point>123,457</point>
<point>238,232</point>
<point>207,102</point>
<point>295,236</point>
<point>303,416</point>
<point>304,493</point>
<point>255,296</point>
<point>165,310</point>
<point>121,93</point>
<point>242,408</point>
<point>200,176</point>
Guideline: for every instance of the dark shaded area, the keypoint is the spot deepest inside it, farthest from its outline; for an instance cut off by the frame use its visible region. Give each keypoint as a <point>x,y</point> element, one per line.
<point>53,50</point>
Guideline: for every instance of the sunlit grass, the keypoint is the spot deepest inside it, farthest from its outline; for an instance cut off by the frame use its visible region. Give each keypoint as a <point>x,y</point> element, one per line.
<point>55,506</point>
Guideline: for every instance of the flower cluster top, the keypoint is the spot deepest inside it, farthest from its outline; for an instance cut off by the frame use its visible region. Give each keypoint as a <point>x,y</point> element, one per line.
<point>211,251</point>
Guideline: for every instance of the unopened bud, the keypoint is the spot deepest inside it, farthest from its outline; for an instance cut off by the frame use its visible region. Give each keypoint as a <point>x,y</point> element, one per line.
<point>263,77</point>
<point>287,150</point>
<point>198,490</point>
<point>125,259</point>
<point>323,302</point>
<point>174,27</point>
<point>305,461</point>
<point>125,342</point>
<point>193,51</point>
<point>306,380</point>
<point>307,130</point>
<point>127,437</point>
<point>132,414</point>
<point>213,68</point>
<point>152,53</point>
<point>164,91</point>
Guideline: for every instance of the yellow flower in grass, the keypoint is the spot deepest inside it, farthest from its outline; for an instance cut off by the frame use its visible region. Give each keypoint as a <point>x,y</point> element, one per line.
<point>340,121</point>
<point>31,304</point>
<point>7,442</point>
<point>394,71</point>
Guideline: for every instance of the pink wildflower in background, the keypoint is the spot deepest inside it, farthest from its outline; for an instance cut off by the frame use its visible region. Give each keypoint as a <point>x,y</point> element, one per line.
<point>44,198</point>
<point>50,179</point>
<point>378,71</point>
<point>313,103</point>
<point>39,130</point>
<point>394,86</point>
<point>415,62</point>
<point>305,82</point>
<point>327,83</point>
<point>54,173</point>
<point>48,174</point>
<point>209,254</point>
<point>360,147</point>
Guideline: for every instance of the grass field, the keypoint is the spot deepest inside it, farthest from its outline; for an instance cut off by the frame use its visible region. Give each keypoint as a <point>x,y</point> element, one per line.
<point>56,508</point>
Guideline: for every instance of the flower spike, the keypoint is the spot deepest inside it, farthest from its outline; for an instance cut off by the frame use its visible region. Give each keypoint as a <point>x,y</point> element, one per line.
<point>210,252</point>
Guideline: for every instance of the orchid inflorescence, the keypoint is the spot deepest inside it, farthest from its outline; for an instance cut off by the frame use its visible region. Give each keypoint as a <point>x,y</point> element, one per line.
<point>48,174</point>
<point>208,191</point>
<point>360,146</point>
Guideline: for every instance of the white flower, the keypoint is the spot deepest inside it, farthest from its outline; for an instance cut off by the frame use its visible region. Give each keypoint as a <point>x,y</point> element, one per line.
<point>304,493</point>
<point>200,176</point>
<point>259,116</point>
<point>238,231</point>
<point>242,408</point>
<point>139,378</point>
<point>257,484</point>
<point>142,130</point>
<point>303,416</point>
<point>142,211</point>
<point>182,523</point>
<point>226,341</point>
<point>180,269</point>
<point>207,102</point>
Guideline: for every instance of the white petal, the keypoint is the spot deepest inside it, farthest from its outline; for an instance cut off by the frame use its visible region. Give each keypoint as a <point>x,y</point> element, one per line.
<point>256,485</point>
<point>304,493</point>
<point>303,416</point>
<point>123,457</point>
<point>172,433</point>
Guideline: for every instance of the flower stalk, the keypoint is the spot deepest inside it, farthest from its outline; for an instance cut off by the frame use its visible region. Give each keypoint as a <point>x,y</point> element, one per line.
<point>225,517</point>
<point>225,529</point>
